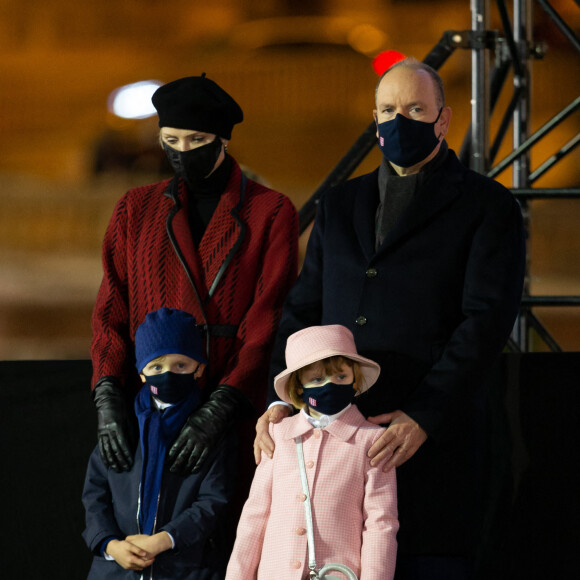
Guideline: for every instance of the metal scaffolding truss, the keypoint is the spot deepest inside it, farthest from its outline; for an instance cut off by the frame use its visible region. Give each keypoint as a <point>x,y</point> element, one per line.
<point>513,48</point>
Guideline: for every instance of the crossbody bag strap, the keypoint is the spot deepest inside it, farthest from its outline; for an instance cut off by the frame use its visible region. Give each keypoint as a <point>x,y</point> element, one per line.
<point>314,572</point>
<point>307,510</point>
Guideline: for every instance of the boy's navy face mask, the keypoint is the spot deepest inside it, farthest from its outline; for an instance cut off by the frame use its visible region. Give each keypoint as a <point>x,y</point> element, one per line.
<point>172,387</point>
<point>405,142</point>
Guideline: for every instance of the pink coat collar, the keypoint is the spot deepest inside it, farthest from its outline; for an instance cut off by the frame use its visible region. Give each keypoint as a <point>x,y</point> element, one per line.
<point>343,428</point>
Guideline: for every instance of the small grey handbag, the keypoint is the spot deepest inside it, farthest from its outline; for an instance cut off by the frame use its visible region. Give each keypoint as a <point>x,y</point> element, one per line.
<point>322,573</point>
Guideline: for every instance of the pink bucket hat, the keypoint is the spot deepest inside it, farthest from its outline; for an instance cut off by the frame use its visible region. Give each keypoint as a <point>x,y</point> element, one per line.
<point>315,343</point>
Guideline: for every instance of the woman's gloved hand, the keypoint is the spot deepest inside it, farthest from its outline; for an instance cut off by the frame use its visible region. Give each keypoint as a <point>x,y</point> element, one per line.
<point>112,425</point>
<point>204,429</point>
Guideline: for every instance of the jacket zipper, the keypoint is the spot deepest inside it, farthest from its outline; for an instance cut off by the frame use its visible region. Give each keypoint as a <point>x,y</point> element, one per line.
<point>154,522</point>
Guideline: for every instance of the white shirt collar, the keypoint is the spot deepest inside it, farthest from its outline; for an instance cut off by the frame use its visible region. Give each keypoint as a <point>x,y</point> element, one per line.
<point>324,419</point>
<point>160,404</point>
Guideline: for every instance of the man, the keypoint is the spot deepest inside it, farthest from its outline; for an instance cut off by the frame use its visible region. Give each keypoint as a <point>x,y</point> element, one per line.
<point>423,260</point>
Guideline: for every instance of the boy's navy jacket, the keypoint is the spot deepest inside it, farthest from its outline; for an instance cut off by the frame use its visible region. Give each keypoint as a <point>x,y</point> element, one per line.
<point>192,508</point>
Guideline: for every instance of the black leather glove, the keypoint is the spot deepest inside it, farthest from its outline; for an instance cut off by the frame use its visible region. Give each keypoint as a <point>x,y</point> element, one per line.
<point>112,424</point>
<point>205,428</point>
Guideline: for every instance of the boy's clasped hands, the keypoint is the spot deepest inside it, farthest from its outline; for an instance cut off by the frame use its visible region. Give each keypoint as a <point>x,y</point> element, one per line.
<point>138,551</point>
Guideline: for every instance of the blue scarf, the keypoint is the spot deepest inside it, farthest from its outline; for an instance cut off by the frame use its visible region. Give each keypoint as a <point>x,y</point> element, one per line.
<point>157,430</point>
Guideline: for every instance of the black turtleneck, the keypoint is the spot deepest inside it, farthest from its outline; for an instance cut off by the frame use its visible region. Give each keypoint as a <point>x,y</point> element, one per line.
<point>203,197</point>
<point>397,191</point>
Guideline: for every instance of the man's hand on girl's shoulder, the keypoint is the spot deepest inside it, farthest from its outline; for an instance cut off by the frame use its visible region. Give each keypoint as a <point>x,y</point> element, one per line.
<point>263,441</point>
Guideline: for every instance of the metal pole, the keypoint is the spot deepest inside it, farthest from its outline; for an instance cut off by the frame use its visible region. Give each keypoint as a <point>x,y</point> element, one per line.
<point>547,193</point>
<point>535,137</point>
<point>479,88</point>
<point>549,163</point>
<point>558,20</point>
<point>523,40</point>
<point>521,167</point>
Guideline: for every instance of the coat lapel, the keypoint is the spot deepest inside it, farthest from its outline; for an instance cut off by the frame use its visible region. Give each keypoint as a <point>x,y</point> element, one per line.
<point>366,201</point>
<point>342,428</point>
<point>206,265</point>
<point>296,426</point>
<point>346,425</point>
<point>180,235</point>
<point>225,232</point>
<point>436,193</point>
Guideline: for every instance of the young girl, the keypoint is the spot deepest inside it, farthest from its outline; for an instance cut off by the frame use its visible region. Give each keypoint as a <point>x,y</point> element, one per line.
<point>354,505</point>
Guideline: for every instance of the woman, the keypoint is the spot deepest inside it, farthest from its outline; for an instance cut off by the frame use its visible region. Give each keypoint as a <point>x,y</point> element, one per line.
<point>210,242</point>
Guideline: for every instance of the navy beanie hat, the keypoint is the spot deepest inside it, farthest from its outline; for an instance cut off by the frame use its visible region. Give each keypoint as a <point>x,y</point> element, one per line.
<point>167,331</point>
<point>198,104</point>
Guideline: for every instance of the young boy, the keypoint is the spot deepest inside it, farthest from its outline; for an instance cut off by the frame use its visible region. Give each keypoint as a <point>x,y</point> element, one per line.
<point>150,522</point>
<point>354,505</point>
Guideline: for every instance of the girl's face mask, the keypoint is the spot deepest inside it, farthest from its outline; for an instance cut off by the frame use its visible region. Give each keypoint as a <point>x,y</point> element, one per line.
<point>328,398</point>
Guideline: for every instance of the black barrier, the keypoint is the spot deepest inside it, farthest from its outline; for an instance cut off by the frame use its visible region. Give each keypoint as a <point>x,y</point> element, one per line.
<point>532,526</point>
<point>47,431</point>
<point>543,536</point>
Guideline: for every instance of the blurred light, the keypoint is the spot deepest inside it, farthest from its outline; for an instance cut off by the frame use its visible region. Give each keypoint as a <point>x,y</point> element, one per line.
<point>133,101</point>
<point>366,38</point>
<point>293,30</point>
<point>385,60</point>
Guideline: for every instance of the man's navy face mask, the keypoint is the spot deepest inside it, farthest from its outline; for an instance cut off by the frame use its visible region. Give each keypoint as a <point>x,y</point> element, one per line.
<point>195,164</point>
<point>405,142</point>
<point>172,387</point>
<point>329,398</point>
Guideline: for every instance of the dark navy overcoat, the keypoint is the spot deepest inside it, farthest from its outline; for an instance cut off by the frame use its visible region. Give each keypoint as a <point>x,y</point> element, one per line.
<point>434,305</point>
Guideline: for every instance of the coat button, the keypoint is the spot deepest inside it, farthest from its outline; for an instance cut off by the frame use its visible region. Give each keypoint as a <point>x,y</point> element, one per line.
<point>371,273</point>
<point>301,497</point>
<point>317,433</point>
<point>310,464</point>
<point>361,320</point>
<point>300,531</point>
<point>295,564</point>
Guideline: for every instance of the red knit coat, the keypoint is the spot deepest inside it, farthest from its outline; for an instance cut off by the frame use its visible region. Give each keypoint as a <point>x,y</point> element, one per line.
<point>235,281</point>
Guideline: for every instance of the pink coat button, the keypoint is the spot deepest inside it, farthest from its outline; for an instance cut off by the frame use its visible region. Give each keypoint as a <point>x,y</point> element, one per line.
<point>310,464</point>
<point>317,433</point>
<point>300,531</point>
<point>301,497</point>
<point>295,564</point>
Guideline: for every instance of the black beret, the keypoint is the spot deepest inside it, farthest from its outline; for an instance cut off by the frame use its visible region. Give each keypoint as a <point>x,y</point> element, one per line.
<point>199,104</point>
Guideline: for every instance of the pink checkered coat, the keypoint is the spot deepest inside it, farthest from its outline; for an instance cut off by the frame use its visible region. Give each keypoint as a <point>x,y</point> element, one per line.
<point>354,505</point>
